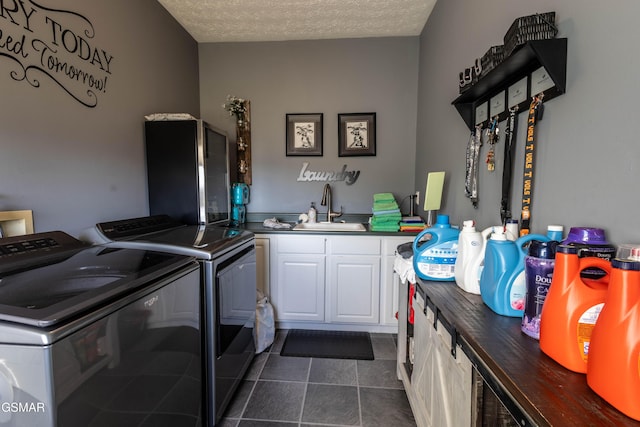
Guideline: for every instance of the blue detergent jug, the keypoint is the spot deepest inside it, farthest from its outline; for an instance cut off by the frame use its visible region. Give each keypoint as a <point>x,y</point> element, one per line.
<point>502,283</point>
<point>435,258</point>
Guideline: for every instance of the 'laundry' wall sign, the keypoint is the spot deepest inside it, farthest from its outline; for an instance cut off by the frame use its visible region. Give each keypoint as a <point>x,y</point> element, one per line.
<point>55,43</point>
<point>344,175</point>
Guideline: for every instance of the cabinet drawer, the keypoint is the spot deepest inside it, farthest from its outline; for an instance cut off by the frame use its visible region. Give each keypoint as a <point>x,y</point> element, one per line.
<point>354,245</point>
<point>301,245</point>
<point>390,244</point>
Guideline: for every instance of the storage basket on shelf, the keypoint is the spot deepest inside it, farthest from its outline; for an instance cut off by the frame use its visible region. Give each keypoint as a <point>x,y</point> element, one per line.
<point>491,59</point>
<point>540,26</point>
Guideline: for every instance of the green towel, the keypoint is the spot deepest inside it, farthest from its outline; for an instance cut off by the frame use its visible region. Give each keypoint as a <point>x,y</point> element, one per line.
<point>388,227</point>
<point>384,206</point>
<point>383,197</point>
<point>379,219</point>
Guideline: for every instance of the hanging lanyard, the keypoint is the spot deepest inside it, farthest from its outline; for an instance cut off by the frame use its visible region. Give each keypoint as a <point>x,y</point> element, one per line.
<point>535,113</point>
<point>511,132</point>
<point>472,170</point>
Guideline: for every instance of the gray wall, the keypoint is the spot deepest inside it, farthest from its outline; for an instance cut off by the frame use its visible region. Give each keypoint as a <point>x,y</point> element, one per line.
<point>73,165</point>
<point>587,156</point>
<point>329,77</point>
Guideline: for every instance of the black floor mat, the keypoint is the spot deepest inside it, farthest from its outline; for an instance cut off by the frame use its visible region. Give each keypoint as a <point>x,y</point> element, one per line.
<point>328,344</point>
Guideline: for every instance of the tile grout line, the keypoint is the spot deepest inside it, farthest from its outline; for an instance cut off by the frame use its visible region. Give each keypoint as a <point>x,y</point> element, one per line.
<point>255,383</point>
<point>359,400</point>
<point>304,393</point>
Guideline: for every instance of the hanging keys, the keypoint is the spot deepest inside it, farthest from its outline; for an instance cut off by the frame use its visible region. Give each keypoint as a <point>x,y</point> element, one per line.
<point>492,140</point>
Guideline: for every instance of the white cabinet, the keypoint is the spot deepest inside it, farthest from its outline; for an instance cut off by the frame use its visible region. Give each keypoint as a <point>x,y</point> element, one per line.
<point>334,281</point>
<point>353,286</point>
<point>299,289</point>
<point>262,265</point>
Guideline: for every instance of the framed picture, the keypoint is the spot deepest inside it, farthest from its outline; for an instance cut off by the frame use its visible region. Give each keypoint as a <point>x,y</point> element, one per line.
<point>304,134</point>
<point>357,134</point>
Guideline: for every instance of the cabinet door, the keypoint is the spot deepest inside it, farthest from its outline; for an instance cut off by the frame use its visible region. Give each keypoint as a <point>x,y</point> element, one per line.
<point>354,289</point>
<point>299,290</point>
<point>389,289</point>
<point>452,382</point>
<point>441,382</point>
<point>422,375</point>
<point>262,265</point>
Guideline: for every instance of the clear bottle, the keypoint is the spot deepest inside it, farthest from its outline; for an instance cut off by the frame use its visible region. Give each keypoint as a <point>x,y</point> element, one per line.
<point>313,213</point>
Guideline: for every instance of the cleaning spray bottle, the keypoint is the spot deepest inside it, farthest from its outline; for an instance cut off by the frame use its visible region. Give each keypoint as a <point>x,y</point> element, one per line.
<point>469,247</point>
<point>614,352</point>
<point>502,282</point>
<point>434,258</point>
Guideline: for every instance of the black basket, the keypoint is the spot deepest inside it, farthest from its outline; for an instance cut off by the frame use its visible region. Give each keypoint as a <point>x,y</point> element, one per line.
<point>540,26</point>
<point>491,59</point>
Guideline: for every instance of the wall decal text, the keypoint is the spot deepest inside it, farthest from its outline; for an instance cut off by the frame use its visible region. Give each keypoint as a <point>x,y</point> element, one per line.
<point>344,175</point>
<point>58,44</point>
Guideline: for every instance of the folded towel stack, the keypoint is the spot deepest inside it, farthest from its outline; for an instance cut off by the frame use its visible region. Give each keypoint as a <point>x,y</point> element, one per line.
<point>386,213</point>
<point>412,224</point>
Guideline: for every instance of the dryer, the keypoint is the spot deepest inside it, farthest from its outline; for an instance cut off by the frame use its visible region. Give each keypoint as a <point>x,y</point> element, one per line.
<point>227,259</point>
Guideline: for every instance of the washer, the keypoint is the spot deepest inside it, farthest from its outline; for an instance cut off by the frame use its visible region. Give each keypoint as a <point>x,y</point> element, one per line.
<point>227,261</point>
<point>91,335</point>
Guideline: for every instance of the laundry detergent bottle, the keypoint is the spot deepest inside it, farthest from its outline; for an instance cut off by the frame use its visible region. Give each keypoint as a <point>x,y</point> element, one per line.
<point>591,242</point>
<point>469,247</point>
<point>572,307</point>
<point>502,283</point>
<point>435,257</point>
<point>613,370</point>
<point>474,267</point>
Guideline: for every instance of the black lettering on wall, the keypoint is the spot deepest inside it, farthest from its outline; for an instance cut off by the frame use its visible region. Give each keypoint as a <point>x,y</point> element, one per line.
<point>58,45</point>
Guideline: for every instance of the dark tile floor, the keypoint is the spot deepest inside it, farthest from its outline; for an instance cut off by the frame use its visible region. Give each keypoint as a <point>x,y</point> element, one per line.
<point>299,391</point>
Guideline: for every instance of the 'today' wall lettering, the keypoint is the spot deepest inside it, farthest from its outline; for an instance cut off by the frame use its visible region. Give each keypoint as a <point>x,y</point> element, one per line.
<point>54,42</point>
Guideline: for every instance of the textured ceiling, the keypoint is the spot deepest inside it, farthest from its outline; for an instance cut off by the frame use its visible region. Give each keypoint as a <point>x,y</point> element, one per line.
<point>275,20</point>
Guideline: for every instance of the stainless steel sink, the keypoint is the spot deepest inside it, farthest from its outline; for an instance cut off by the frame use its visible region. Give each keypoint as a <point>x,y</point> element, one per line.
<point>330,226</point>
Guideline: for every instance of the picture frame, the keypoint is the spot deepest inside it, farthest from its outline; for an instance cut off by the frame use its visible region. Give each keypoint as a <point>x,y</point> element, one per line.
<point>357,134</point>
<point>304,134</point>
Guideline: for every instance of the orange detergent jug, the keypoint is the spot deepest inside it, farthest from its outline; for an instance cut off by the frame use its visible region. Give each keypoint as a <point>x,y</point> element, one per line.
<point>613,370</point>
<point>571,308</point>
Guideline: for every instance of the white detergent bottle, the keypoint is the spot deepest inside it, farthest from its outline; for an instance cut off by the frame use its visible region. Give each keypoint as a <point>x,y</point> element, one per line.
<point>469,247</point>
<point>512,229</point>
<point>476,263</point>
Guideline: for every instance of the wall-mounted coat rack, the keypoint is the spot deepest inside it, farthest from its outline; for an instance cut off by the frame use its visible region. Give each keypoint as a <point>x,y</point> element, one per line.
<point>518,72</point>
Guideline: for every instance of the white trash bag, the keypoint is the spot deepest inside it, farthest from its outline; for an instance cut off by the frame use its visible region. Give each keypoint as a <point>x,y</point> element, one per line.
<point>265,329</point>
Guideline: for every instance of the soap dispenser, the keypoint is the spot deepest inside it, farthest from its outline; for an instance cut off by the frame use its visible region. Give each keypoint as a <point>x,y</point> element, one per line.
<point>312,213</point>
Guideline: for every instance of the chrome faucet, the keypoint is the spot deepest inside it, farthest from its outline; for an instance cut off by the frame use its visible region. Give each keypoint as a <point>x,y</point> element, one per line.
<point>326,201</point>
